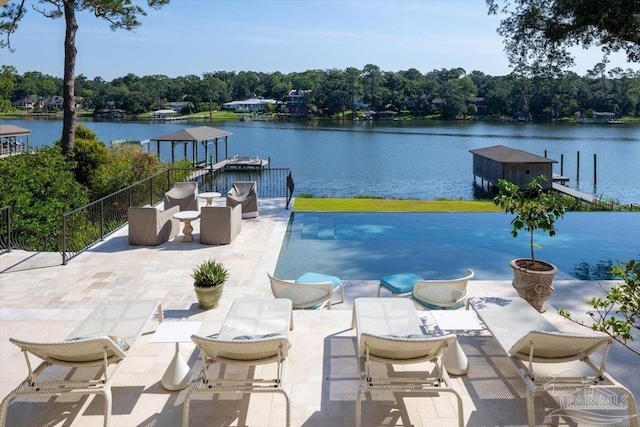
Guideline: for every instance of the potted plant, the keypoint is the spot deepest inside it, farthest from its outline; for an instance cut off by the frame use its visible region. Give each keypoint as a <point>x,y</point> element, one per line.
<point>534,209</point>
<point>208,282</point>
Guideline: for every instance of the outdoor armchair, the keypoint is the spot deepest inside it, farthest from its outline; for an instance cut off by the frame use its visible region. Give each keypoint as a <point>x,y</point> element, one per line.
<point>219,225</point>
<point>303,295</point>
<point>244,193</point>
<point>183,194</point>
<point>442,294</point>
<point>149,226</point>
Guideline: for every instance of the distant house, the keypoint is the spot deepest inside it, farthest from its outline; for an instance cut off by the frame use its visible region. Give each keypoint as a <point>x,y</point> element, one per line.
<point>54,103</point>
<point>480,103</point>
<point>176,105</point>
<point>252,105</point>
<point>297,103</point>
<point>29,103</point>
<point>359,104</point>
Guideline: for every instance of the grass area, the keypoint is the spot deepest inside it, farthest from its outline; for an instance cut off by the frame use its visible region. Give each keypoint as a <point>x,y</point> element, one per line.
<point>325,204</point>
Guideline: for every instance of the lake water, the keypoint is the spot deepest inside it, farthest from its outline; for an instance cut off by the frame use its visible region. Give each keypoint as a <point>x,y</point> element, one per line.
<point>423,160</point>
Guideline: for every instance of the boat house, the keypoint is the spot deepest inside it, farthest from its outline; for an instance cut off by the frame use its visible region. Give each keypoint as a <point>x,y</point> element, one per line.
<point>11,140</point>
<point>499,162</point>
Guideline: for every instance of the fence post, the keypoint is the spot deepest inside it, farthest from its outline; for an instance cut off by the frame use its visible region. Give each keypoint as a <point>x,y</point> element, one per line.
<point>64,239</point>
<point>102,219</point>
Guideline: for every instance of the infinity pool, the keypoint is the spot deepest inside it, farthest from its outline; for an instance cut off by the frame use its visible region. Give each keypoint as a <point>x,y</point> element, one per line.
<point>368,246</point>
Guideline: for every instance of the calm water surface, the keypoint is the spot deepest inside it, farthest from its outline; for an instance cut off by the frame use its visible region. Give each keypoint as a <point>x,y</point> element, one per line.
<point>403,159</point>
<point>368,246</point>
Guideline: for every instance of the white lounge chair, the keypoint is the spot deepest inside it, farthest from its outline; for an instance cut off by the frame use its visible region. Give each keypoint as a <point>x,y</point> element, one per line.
<point>305,295</point>
<point>442,294</point>
<point>390,331</point>
<point>101,342</point>
<point>532,342</point>
<point>255,332</point>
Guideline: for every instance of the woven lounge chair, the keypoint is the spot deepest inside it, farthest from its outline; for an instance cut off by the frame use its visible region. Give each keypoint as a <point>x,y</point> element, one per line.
<point>100,343</point>
<point>244,193</point>
<point>308,295</point>
<point>534,344</point>
<point>255,332</point>
<point>183,194</point>
<point>442,294</point>
<point>389,331</point>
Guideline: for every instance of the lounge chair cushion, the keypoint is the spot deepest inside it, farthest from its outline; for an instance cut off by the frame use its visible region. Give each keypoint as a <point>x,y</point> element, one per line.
<point>400,283</point>
<point>256,337</point>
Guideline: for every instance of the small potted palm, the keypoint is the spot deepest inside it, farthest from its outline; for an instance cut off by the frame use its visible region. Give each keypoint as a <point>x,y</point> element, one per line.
<point>534,209</point>
<point>208,281</point>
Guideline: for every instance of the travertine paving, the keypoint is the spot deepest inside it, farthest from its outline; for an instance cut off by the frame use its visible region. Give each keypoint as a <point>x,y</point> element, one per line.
<point>41,299</point>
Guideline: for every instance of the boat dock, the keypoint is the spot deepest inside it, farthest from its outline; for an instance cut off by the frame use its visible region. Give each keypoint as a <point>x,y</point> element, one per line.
<point>236,163</point>
<point>578,195</point>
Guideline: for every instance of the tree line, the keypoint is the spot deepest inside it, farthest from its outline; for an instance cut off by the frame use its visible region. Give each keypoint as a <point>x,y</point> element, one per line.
<point>449,93</point>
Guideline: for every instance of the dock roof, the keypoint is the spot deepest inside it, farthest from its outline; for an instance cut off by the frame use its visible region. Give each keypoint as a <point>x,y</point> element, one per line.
<point>502,154</point>
<point>200,133</point>
<point>7,131</point>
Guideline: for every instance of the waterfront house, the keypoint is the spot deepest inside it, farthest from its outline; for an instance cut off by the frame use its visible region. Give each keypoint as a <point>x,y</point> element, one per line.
<point>252,105</point>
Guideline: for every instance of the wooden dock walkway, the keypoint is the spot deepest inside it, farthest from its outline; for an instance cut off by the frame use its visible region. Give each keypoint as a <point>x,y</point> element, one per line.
<point>574,193</point>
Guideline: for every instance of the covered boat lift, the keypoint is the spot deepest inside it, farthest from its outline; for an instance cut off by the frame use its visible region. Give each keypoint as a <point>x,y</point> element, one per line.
<point>9,142</point>
<point>204,135</point>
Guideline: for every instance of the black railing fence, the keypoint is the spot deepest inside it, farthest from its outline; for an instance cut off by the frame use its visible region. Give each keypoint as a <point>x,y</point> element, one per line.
<point>5,229</point>
<point>91,223</point>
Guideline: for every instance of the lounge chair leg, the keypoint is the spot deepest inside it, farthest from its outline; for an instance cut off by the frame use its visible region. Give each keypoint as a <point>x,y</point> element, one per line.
<point>359,408</point>
<point>531,410</point>
<point>185,411</point>
<point>288,407</point>
<point>3,410</point>
<point>107,406</point>
<point>633,411</point>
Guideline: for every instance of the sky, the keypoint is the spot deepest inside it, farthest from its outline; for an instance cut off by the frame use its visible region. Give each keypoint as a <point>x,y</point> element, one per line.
<point>192,37</point>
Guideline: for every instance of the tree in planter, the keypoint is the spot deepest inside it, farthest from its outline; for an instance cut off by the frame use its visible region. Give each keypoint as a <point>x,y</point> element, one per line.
<point>618,313</point>
<point>534,209</point>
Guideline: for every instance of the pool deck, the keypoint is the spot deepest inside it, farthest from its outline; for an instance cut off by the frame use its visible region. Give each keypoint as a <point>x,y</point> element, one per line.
<point>41,299</point>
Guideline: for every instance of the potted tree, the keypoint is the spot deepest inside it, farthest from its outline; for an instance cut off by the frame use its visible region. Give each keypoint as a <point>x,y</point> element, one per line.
<point>208,281</point>
<point>534,209</point>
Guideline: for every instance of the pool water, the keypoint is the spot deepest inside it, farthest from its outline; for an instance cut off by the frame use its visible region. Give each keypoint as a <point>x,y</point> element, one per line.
<point>368,246</point>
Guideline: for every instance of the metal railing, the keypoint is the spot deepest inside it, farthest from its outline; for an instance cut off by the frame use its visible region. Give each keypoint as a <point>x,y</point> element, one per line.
<point>91,223</point>
<point>5,229</point>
